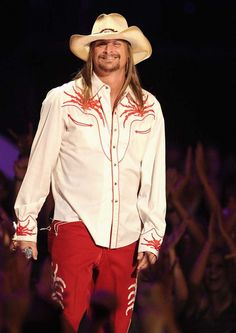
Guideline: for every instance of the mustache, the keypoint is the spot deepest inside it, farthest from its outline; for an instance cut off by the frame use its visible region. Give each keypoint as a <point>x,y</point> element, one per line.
<point>109,55</point>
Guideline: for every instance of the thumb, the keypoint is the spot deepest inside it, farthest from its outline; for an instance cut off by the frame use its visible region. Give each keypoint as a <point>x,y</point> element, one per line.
<point>35,253</point>
<point>140,256</point>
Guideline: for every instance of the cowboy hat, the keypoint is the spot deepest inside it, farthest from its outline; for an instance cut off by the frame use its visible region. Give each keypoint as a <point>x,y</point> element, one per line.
<point>112,26</point>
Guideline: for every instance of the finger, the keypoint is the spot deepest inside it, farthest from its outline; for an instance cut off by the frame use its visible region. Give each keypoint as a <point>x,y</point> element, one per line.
<point>142,265</point>
<point>30,253</point>
<point>152,258</point>
<point>13,246</point>
<point>35,254</point>
<point>140,256</point>
<point>30,245</point>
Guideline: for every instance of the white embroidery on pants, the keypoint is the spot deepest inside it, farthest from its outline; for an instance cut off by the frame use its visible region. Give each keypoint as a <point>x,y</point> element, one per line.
<point>58,288</point>
<point>57,224</point>
<point>131,298</point>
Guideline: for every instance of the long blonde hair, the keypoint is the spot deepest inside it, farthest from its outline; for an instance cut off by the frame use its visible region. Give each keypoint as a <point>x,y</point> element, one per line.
<point>131,78</point>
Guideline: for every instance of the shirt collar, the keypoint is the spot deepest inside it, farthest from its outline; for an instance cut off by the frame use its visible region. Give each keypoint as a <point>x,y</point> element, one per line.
<point>97,85</point>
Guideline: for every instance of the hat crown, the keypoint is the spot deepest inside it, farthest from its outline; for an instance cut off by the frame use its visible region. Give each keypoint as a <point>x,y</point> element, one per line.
<point>110,23</point>
<point>112,26</point>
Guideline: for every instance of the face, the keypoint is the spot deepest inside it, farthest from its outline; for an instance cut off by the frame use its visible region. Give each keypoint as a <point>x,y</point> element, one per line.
<point>215,274</point>
<point>109,56</point>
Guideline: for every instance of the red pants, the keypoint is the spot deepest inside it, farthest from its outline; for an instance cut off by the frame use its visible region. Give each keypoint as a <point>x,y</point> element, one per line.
<point>76,259</point>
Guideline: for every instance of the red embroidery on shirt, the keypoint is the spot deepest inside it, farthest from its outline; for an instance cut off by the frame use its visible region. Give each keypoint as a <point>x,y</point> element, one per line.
<point>79,122</point>
<point>24,230</point>
<point>91,104</point>
<point>143,132</point>
<point>133,108</point>
<point>154,243</point>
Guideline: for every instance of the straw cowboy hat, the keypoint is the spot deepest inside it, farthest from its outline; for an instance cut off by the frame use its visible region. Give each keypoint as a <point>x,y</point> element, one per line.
<point>112,26</point>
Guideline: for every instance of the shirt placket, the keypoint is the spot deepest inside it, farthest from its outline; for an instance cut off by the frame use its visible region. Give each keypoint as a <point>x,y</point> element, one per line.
<point>115,180</point>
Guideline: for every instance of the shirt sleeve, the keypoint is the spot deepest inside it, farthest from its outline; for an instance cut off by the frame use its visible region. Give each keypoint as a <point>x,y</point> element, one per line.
<point>152,194</point>
<point>43,156</point>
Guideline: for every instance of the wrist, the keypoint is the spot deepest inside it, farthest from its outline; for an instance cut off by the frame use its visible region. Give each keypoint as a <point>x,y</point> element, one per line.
<point>18,179</point>
<point>174,264</point>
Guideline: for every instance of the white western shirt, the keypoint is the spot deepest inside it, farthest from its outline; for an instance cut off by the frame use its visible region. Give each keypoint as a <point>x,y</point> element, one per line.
<point>105,168</point>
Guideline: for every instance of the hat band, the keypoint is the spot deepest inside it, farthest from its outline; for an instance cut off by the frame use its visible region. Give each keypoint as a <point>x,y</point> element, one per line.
<point>106,30</point>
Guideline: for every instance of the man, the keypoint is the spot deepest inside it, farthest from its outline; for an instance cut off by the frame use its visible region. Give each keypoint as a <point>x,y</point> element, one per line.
<point>100,144</point>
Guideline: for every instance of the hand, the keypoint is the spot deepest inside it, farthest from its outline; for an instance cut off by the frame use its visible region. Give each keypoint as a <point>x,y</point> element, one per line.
<point>20,167</point>
<point>172,176</point>
<point>23,141</point>
<point>15,289</point>
<point>145,259</point>
<point>200,162</point>
<point>24,244</point>
<point>172,240</point>
<point>176,182</point>
<point>212,228</point>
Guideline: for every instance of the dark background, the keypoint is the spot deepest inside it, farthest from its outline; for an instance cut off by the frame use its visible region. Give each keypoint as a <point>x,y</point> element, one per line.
<point>191,70</point>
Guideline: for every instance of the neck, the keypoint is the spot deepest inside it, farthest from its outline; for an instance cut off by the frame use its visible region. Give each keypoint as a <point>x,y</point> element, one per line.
<point>115,81</point>
<point>222,298</point>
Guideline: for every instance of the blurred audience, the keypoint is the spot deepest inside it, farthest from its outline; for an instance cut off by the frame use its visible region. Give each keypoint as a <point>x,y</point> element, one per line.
<point>192,288</point>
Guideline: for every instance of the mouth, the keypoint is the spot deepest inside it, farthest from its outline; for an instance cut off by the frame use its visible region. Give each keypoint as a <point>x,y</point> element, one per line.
<point>109,57</point>
<point>213,278</point>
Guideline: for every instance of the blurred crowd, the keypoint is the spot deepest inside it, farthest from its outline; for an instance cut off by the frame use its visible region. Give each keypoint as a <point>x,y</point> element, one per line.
<point>191,288</point>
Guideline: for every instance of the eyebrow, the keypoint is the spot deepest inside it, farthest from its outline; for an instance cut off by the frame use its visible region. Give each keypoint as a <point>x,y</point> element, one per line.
<point>110,40</point>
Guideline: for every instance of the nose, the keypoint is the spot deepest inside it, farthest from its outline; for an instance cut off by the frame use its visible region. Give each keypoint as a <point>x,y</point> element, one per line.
<point>108,47</point>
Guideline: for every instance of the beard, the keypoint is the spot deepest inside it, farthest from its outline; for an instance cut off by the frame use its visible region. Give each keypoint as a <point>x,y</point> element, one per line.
<point>109,67</point>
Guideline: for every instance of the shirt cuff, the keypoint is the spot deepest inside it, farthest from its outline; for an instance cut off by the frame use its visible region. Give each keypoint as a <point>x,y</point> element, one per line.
<point>150,241</point>
<point>26,230</point>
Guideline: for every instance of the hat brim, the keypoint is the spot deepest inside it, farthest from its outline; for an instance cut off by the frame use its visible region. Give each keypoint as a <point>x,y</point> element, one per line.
<point>79,44</point>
